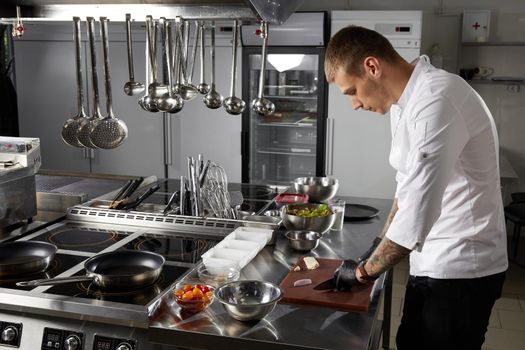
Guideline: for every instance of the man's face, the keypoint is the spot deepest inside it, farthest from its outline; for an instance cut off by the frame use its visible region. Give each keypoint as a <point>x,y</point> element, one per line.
<point>365,92</point>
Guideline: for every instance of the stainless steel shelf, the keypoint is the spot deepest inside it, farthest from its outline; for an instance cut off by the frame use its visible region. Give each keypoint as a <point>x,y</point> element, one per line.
<point>306,154</point>
<point>495,43</point>
<point>290,125</point>
<point>494,82</point>
<point>292,97</point>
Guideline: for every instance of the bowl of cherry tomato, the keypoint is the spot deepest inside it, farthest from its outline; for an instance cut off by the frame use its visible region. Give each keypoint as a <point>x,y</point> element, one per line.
<point>193,297</point>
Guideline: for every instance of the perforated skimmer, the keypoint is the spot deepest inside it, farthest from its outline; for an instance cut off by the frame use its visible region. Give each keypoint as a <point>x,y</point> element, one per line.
<point>72,125</point>
<point>109,132</point>
<point>84,132</point>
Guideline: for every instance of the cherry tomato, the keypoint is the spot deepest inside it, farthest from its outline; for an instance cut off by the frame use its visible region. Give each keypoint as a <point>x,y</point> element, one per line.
<point>197,293</point>
<point>179,293</point>
<point>187,295</point>
<point>187,287</point>
<point>205,289</point>
<point>200,286</point>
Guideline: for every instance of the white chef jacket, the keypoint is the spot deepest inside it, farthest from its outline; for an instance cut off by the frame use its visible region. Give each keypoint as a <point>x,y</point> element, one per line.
<point>445,151</point>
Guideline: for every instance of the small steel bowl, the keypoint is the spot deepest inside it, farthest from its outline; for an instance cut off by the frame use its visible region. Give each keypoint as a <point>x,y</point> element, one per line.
<point>303,240</point>
<point>248,300</point>
<point>319,224</point>
<point>318,189</point>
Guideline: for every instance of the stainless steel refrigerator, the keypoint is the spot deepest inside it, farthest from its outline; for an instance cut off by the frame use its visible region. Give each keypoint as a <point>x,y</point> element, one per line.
<point>291,142</point>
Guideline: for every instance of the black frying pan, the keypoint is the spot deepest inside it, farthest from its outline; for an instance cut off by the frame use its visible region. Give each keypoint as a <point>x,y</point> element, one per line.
<point>25,257</point>
<point>127,269</point>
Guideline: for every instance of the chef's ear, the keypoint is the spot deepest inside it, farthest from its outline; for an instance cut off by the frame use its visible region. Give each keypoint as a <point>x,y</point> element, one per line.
<point>372,66</point>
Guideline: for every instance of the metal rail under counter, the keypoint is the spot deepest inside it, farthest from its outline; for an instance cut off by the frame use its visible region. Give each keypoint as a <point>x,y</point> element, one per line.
<point>288,326</point>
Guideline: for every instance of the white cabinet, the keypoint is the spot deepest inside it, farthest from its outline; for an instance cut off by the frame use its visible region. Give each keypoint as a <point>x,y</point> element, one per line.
<point>46,88</point>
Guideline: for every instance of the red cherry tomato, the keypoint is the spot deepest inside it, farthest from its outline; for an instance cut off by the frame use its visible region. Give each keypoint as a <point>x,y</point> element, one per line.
<point>205,289</point>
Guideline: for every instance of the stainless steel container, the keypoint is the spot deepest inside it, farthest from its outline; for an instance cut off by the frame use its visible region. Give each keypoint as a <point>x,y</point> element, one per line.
<point>17,195</point>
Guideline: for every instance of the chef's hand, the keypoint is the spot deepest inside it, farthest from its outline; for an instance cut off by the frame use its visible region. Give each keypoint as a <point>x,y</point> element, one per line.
<point>370,250</point>
<point>345,276</point>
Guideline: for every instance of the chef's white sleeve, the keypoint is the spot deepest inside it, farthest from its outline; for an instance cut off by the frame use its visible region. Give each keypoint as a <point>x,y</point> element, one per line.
<point>437,135</point>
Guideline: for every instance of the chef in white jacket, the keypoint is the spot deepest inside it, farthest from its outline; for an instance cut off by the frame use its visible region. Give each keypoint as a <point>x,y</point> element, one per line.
<point>447,213</point>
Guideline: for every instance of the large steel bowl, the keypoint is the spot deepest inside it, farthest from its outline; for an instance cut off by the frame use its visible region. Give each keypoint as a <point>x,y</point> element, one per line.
<point>319,224</point>
<point>318,189</point>
<point>248,300</point>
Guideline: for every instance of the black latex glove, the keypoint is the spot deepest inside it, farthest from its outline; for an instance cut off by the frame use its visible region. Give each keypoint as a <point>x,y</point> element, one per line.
<point>370,250</point>
<point>344,276</point>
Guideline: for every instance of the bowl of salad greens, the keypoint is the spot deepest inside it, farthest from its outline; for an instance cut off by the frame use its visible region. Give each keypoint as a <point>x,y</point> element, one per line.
<point>308,216</point>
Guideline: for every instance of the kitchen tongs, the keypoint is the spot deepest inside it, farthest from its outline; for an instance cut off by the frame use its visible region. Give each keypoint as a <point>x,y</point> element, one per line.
<point>125,192</point>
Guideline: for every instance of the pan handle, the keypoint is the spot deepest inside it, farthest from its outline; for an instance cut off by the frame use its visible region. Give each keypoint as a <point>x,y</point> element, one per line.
<point>58,280</point>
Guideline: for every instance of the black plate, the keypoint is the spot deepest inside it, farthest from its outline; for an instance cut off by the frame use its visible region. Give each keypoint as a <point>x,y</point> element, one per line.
<point>359,212</point>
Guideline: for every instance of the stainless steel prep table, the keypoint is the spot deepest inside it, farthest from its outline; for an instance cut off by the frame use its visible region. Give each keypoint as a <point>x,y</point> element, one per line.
<point>288,326</point>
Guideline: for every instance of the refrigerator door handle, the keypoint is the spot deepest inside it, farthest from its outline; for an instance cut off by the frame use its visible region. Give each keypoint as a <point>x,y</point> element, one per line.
<point>330,147</point>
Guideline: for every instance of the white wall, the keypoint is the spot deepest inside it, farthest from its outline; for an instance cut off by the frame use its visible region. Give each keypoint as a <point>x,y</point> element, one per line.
<point>442,25</point>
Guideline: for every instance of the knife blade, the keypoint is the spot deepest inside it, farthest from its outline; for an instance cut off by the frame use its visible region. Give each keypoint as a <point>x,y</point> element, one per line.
<point>326,285</point>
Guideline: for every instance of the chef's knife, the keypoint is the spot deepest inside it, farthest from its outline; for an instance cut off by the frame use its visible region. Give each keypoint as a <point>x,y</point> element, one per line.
<point>326,285</point>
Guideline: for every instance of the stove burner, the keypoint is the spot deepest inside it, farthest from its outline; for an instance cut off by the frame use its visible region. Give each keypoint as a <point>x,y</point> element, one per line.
<point>90,288</point>
<point>66,239</point>
<point>60,263</point>
<point>141,296</point>
<point>83,239</point>
<point>181,249</point>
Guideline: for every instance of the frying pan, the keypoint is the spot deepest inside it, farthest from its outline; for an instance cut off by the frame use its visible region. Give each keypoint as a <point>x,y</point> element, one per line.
<point>127,269</point>
<point>25,257</point>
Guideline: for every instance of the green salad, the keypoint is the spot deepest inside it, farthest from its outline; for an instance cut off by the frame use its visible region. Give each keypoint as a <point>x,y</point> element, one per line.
<point>322,210</point>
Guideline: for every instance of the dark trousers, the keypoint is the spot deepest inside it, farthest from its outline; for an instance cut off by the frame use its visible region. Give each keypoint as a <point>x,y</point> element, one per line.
<point>447,314</point>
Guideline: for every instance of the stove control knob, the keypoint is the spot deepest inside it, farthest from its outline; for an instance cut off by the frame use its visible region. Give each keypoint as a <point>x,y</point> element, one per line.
<point>72,342</point>
<point>9,334</point>
<point>124,346</point>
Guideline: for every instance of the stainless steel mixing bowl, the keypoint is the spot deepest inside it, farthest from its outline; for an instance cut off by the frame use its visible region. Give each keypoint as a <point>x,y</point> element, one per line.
<point>319,224</point>
<point>318,189</point>
<point>248,300</point>
<point>303,240</point>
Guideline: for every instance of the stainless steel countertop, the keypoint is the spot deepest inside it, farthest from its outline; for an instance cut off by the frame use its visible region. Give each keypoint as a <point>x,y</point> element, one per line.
<point>288,326</point>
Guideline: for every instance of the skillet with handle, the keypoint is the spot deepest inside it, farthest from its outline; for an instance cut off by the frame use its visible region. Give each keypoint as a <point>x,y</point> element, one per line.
<point>126,269</point>
<point>25,257</point>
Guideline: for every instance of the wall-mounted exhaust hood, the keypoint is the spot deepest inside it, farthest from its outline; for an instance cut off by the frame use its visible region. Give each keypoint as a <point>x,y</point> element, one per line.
<point>272,11</point>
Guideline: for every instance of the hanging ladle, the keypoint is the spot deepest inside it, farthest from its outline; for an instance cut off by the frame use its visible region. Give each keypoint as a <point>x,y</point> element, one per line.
<point>187,90</point>
<point>233,104</point>
<point>213,99</point>
<point>203,88</point>
<point>71,126</point>
<point>109,132</point>
<point>169,102</point>
<point>132,87</point>
<point>84,133</point>
<point>146,102</point>
<point>155,89</point>
<point>261,105</point>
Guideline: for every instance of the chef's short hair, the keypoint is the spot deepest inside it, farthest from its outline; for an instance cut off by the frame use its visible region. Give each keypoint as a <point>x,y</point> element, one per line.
<point>349,47</point>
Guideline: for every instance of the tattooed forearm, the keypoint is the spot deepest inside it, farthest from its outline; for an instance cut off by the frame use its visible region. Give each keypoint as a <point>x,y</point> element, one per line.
<point>386,255</point>
<point>390,218</point>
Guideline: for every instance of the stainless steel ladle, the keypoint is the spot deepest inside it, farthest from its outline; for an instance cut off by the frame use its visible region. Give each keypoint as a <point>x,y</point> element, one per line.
<point>155,89</point>
<point>71,126</point>
<point>132,87</point>
<point>261,105</point>
<point>233,104</point>
<point>84,132</point>
<point>169,102</point>
<point>187,90</point>
<point>213,99</point>
<point>147,101</point>
<point>203,88</point>
<point>109,132</point>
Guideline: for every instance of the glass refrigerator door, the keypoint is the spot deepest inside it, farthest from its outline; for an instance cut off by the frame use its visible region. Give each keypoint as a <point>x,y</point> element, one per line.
<point>283,146</point>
